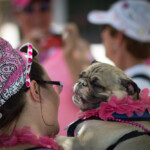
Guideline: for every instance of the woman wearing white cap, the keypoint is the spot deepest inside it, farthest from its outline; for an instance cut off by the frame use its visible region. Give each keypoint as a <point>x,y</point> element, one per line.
<point>126,37</point>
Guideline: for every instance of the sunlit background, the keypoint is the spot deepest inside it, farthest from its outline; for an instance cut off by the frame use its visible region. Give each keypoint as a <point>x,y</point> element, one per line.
<point>64,11</point>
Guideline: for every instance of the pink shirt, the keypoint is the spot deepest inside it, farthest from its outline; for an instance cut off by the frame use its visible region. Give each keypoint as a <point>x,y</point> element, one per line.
<point>56,68</point>
<point>148,61</point>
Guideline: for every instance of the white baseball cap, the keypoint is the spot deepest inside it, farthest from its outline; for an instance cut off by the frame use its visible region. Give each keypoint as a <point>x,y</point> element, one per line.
<point>132,17</point>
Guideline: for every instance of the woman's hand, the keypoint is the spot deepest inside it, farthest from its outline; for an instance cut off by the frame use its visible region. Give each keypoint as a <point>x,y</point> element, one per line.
<point>76,50</point>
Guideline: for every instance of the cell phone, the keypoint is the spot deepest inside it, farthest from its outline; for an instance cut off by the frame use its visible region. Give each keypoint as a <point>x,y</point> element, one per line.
<point>54,40</point>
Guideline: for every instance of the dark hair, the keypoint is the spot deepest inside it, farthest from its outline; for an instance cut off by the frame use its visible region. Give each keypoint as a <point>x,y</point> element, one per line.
<point>140,50</point>
<point>33,1</point>
<point>14,106</point>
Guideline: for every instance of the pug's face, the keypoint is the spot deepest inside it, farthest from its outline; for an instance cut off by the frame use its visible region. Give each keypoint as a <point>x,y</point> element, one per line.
<point>99,82</point>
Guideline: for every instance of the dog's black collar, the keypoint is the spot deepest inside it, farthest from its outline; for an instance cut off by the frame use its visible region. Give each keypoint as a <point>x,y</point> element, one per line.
<point>71,128</point>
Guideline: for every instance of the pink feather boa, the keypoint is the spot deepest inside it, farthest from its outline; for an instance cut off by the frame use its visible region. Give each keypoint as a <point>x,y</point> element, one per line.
<point>27,136</point>
<point>121,106</point>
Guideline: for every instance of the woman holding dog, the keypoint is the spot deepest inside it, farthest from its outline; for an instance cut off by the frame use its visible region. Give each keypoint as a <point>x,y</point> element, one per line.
<point>126,37</point>
<point>28,102</point>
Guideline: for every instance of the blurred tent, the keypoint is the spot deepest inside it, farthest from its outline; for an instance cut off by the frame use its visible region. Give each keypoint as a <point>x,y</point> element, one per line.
<point>64,11</point>
<point>77,12</point>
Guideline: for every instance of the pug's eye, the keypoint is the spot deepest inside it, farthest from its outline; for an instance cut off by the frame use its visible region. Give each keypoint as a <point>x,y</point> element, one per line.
<point>99,86</point>
<point>81,74</point>
<point>95,83</point>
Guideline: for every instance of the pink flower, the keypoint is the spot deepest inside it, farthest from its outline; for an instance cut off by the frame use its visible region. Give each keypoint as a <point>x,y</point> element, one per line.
<point>27,136</point>
<point>13,140</point>
<point>48,142</point>
<point>88,114</point>
<point>121,106</point>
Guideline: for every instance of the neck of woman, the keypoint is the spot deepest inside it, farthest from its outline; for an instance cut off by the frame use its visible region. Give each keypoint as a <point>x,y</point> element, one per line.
<point>19,124</point>
<point>125,60</point>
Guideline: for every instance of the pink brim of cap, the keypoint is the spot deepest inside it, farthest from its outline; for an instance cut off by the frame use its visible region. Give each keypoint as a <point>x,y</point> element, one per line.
<point>20,3</point>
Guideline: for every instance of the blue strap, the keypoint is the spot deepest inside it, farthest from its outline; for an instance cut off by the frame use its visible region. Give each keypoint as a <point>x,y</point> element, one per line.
<point>144,117</point>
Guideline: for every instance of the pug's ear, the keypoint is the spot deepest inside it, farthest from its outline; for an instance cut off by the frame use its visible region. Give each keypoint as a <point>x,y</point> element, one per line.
<point>131,87</point>
<point>94,61</point>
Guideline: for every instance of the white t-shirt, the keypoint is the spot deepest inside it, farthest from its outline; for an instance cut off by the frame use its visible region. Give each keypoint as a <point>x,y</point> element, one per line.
<point>140,69</point>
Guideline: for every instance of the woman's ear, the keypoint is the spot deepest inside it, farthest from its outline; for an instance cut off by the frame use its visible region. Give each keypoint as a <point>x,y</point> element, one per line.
<point>35,91</point>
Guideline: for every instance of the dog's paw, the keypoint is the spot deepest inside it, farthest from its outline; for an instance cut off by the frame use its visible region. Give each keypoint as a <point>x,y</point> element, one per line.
<point>64,142</point>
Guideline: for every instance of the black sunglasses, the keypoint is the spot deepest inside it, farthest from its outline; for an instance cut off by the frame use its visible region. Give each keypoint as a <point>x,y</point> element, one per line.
<point>57,85</point>
<point>44,7</point>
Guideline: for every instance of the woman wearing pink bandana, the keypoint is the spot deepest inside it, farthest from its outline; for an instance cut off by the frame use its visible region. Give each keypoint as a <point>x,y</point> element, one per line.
<point>28,101</point>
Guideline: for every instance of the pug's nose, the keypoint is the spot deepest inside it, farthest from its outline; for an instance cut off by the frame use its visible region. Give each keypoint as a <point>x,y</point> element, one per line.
<point>82,83</point>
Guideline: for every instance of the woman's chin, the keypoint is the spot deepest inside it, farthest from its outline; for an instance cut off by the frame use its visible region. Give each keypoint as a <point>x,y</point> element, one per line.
<point>56,129</point>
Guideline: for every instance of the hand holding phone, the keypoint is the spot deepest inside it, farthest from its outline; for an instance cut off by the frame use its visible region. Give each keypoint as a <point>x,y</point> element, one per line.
<point>51,41</point>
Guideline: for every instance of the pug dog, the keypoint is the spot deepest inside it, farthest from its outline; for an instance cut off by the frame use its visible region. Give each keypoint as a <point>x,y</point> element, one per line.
<point>97,84</point>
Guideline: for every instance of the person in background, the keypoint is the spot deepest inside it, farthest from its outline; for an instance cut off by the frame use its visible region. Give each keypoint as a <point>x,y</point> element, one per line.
<point>63,56</point>
<point>28,102</point>
<point>126,37</point>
